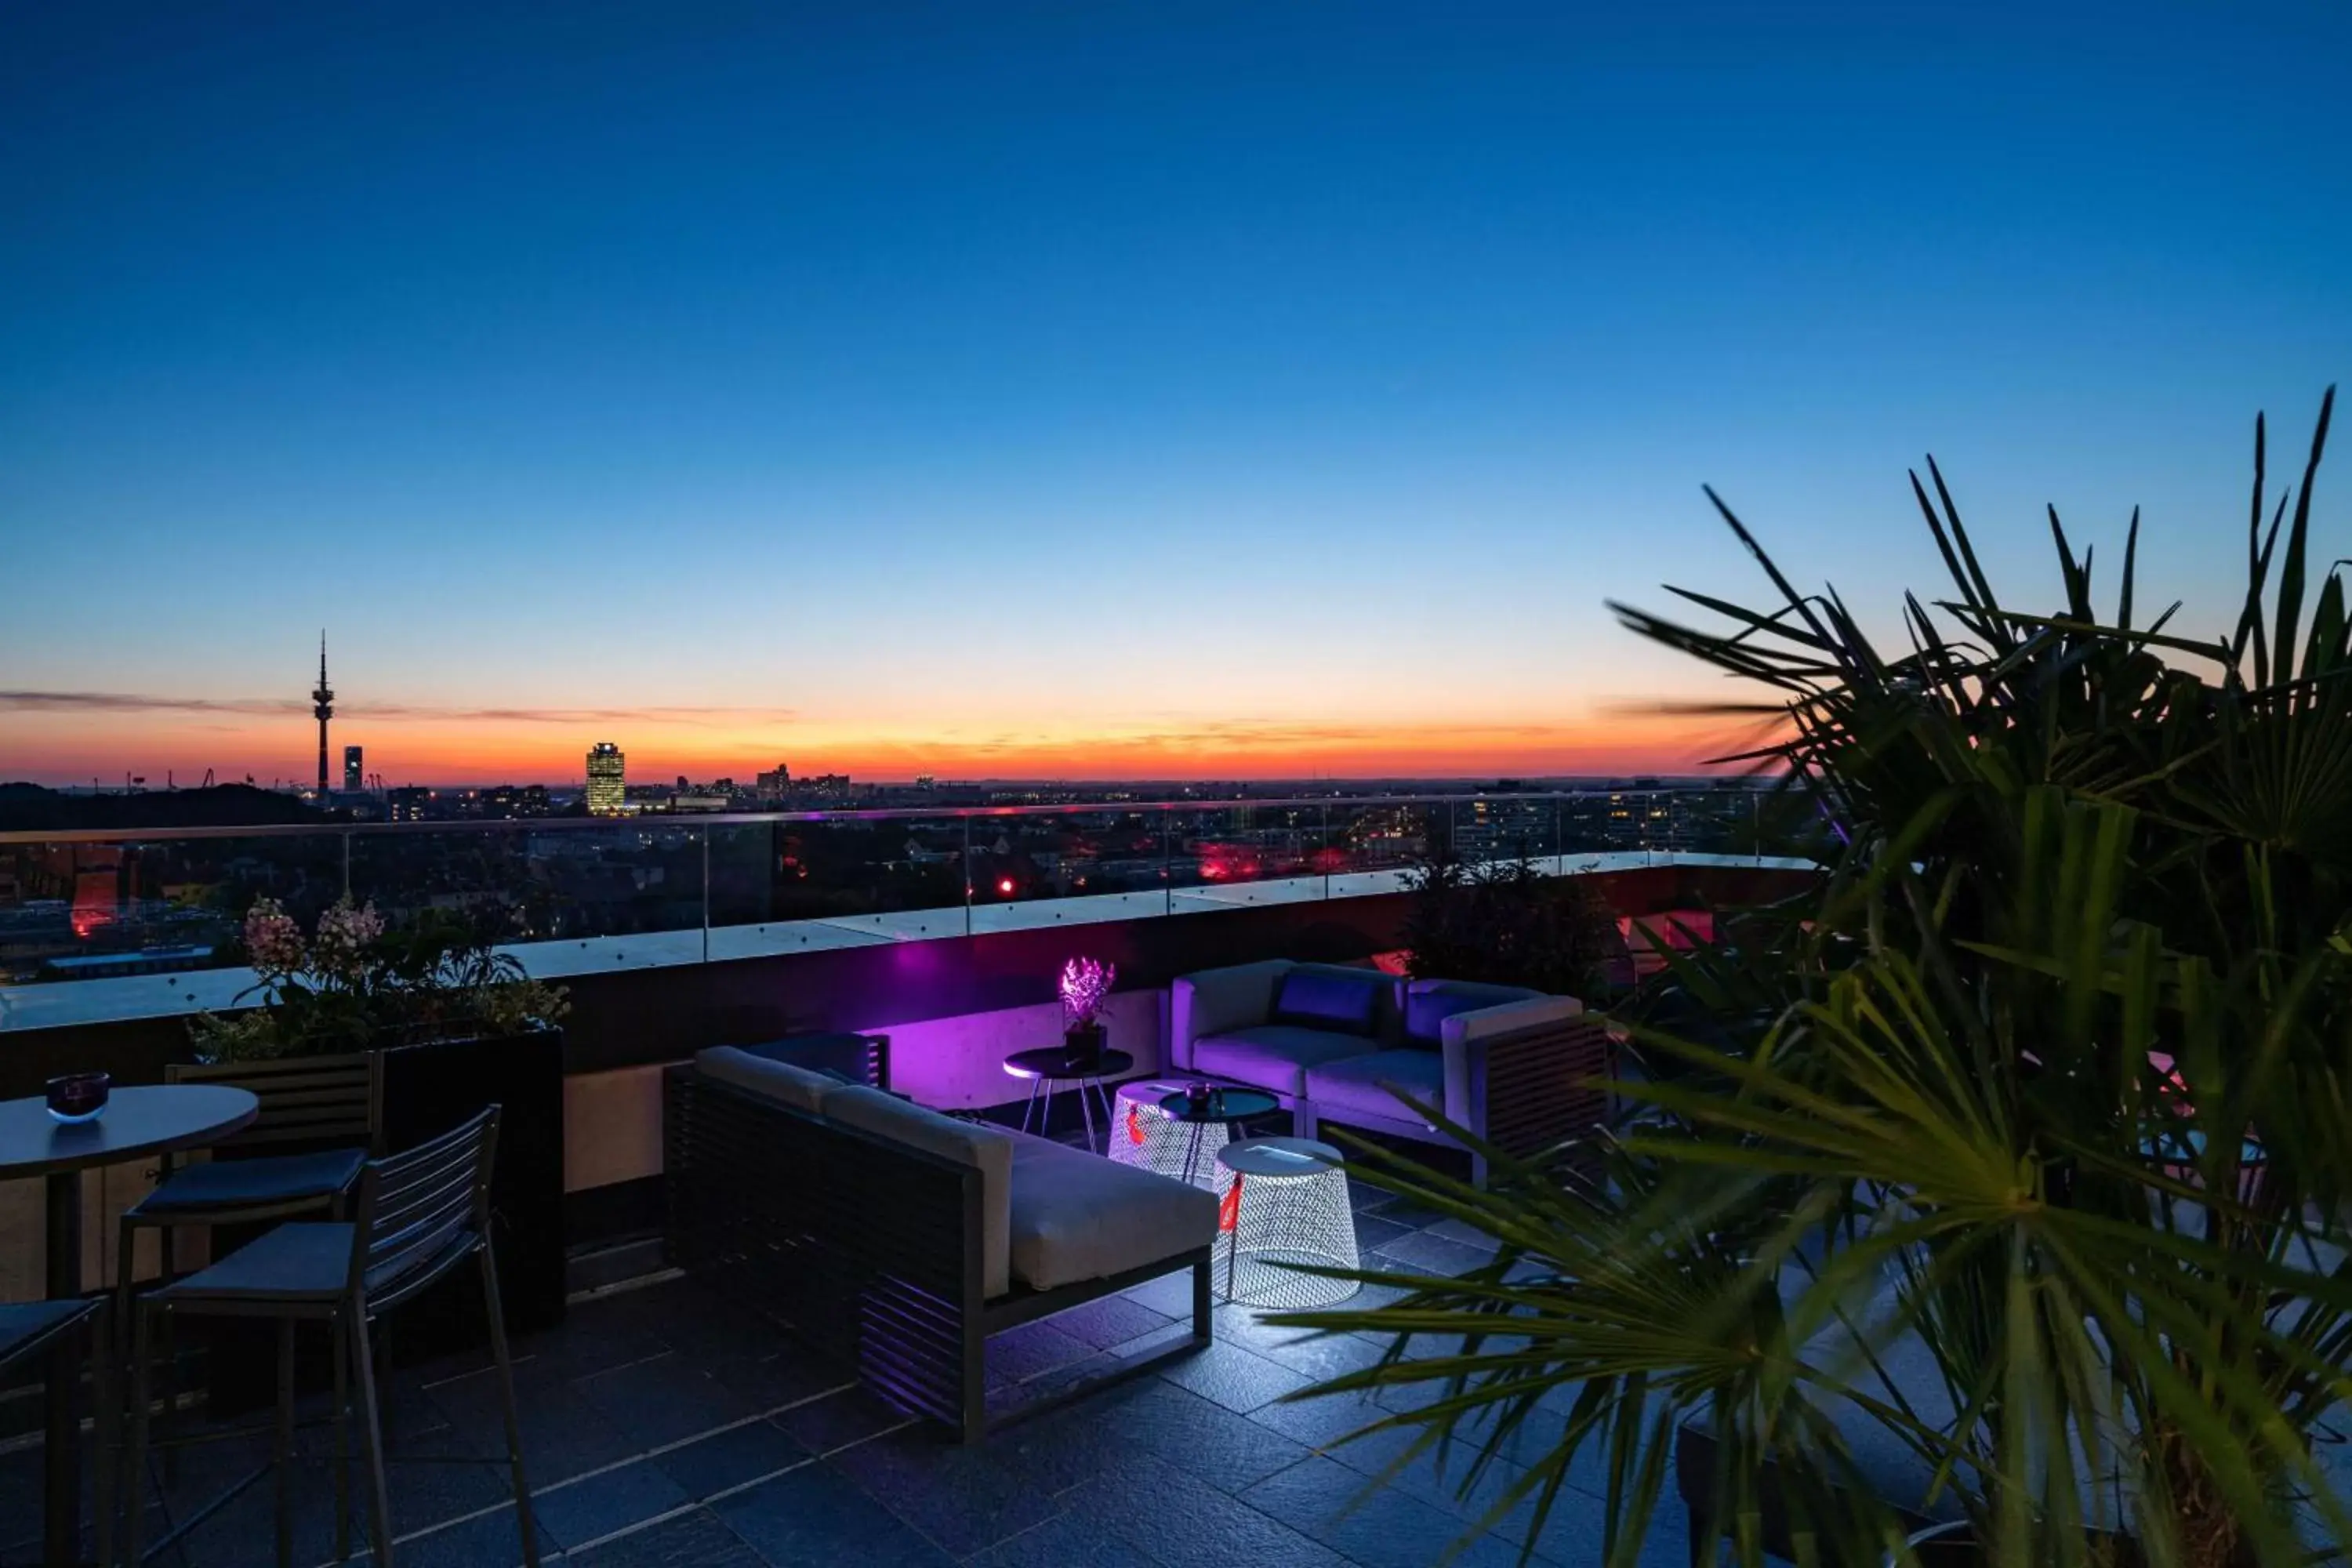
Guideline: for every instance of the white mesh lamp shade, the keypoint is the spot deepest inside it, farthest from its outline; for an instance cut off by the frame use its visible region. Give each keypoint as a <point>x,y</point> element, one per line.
<point>1286,1202</point>
<point>1144,1136</point>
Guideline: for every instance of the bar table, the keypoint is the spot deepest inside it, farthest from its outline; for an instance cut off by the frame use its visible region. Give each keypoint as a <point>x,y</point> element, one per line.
<point>137,1122</point>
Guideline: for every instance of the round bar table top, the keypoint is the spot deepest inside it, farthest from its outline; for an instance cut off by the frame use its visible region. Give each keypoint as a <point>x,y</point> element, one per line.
<point>144,1118</point>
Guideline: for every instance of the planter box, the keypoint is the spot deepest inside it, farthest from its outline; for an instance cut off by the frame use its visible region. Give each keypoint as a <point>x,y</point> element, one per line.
<point>422,1091</point>
<point>429,1089</point>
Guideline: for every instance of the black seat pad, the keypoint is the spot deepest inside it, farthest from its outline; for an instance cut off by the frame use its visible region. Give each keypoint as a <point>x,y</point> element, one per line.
<point>259,1183</point>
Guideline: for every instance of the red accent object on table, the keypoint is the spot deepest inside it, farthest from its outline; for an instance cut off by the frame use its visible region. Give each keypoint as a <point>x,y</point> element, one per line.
<point>1134,1127</point>
<point>1229,1212</point>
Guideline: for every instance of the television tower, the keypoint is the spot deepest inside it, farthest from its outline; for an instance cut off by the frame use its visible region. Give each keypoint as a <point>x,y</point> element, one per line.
<point>322,705</point>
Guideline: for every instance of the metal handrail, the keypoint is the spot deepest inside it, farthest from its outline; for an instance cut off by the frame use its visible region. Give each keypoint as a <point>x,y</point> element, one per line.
<point>877,813</point>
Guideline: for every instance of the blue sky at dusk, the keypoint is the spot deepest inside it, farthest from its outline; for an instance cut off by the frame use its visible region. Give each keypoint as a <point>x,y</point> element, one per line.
<point>1096,391</point>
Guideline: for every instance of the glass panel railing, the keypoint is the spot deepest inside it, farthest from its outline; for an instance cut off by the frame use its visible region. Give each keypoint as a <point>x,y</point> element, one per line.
<point>571,898</point>
<point>1037,869</point>
<point>149,922</point>
<point>1245,854</point>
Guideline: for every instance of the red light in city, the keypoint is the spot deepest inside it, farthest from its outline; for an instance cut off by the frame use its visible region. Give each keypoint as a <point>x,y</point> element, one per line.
<point>1005,886</point>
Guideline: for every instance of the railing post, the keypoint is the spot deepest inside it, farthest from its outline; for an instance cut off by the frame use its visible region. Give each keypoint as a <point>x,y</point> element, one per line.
<point>1167,862</point>
<point>966,868</point>
<point>706,832</point>
<point>1323,835</point>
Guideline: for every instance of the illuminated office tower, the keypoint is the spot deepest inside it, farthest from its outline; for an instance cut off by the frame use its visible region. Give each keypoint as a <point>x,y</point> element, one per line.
<point>354,770</point>
<point>607,787</point>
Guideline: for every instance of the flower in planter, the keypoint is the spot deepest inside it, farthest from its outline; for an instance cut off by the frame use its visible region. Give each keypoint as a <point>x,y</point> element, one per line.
<point>272,939</point>
<point>353,984</point>
<point>1085,986</point>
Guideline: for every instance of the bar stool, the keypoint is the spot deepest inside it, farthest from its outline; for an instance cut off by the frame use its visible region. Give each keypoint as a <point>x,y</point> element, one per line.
<point>417,1216</point>
<point>39,1329</point>
<point>313,1100</point>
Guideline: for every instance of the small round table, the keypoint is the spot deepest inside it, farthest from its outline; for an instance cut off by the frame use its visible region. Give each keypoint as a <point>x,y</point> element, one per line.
<point>1050,1065</point>
<point>1146,1137</point>
<point>1230,1105</point>
<point>1287,1204</point>
<point>137,1122</point>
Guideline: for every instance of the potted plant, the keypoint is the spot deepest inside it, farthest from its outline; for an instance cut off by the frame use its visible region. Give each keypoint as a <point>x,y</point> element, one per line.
<point>457,1025</point>
<point>2006,1185</point>
<point>1505,922</point>
<point>1085,988</point>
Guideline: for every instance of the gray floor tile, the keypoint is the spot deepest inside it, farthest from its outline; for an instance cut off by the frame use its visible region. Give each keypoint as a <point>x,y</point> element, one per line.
<point>1223,1449</point>
<point>698,1539</point>
<point>1433,1254</point>
<point>965,1499</point>
<point>1375,1527</point>
<point>599,1505</point>
<point>664,1400</point>
<point>1022,1353</point>
<point>815,1514</point>
<point>1238,1379</point>
<point>1113,1320</point>
<point>731,1457</point>
<point>1182,1522</point>
<point>1066,1541</point>
<point>836,1420</point>
<point>486,1540</point>
<point>1170,1295</point>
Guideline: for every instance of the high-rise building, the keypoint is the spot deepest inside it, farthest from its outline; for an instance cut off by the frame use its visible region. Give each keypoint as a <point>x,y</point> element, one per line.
<point>608,790</point>
<point>354,770</point>
<point>322,708</point>
<point>773,785</point>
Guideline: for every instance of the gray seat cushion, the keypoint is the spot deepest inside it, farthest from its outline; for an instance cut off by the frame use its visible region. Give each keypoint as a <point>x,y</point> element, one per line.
<point>1079,1217</point>
<point>1274,1056</point>
<point>1358,1085</point>
<point>1429,1003</point>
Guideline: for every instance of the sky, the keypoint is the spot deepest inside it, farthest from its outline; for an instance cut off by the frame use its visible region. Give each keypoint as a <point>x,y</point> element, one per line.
<point>1098,391</point>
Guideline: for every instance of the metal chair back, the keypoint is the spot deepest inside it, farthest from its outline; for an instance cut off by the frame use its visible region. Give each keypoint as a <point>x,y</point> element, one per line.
<point>314,1100</point>
<point>413,1207</point>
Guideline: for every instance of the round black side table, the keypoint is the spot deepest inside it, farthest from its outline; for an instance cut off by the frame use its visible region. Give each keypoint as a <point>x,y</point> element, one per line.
<point>1050,1065</point>
<point>1231,1106</point>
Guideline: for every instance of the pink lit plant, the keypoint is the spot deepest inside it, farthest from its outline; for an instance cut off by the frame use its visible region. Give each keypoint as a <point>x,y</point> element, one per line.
<point>1085,986</point>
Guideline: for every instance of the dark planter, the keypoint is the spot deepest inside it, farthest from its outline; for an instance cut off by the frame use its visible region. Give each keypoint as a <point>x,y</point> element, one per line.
<point>429,1089</point>
<point>1085,1042</point>
<point>424,1091</point>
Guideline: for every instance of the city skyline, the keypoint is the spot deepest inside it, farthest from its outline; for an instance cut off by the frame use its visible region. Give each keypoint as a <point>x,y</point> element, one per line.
<point>1115,395</point>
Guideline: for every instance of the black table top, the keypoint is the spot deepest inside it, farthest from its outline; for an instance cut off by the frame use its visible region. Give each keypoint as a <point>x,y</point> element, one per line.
<point>1225,1105</point>
<point>150,1119</point>
<point>1061,1062</point>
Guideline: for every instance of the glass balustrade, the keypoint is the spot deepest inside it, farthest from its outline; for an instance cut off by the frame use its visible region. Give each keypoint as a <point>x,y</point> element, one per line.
<point>96,925</point>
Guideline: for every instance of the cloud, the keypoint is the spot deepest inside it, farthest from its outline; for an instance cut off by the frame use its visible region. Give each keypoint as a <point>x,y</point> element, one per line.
<point>137,703</point>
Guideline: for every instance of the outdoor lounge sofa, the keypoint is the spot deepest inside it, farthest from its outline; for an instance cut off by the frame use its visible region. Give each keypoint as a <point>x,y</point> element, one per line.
<point>1334,1044</point>
<point>897,1239</point>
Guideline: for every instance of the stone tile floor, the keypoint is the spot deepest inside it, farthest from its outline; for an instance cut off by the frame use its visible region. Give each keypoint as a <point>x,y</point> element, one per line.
<point>664,1427</point>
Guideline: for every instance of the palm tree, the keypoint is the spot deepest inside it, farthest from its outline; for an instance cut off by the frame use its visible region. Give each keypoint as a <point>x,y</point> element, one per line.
<point>2019,1144</point>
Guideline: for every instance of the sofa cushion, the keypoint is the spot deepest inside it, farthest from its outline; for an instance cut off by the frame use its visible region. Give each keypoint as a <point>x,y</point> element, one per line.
<point>783,1082</point>
<point>1273,1056</point>
<point>1323,996</point>
<point>989,1149</point>
<point>1360,1085</point>
<point>1429,1003</point>
<point>1079,1217</point>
